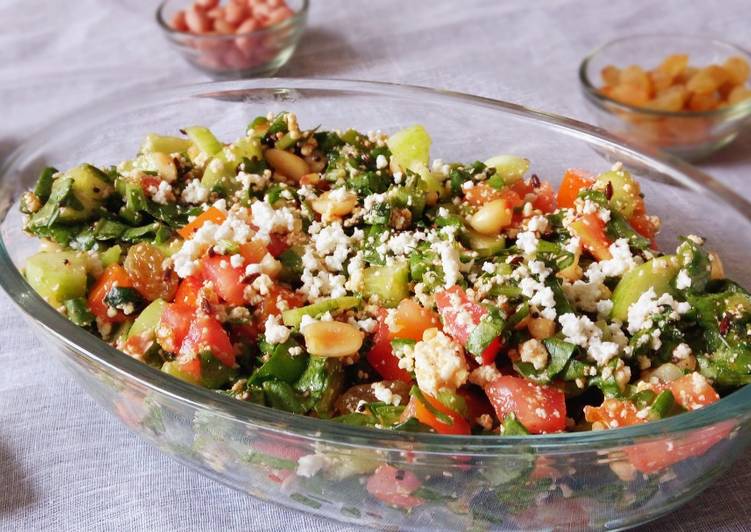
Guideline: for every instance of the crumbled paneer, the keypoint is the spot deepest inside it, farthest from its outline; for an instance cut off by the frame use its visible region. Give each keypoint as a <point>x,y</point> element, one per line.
<point>310,464</point>
<point>534,352</point>
<point>580,330</point>
<point>682,280</point>
<point>385,395</point>
<point>641,312</point>
<point>439,363</point>
<point>275,332</point>
<point>195,193</point>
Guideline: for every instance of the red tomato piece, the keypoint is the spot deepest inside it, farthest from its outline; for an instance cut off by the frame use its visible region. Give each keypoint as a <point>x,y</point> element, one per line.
<point>613,413</point>
<point>424,415</point>
<point>187,292</point>
<point>113,276</point>
<point>381,355</point>
<point>411,320</point>
<point>591,229</point>
<point>481,193</point>
<point>572,183</point>
<point>693,391</point>
<point>491,352</point>
<point>173,326</point>
<point>459,314</point>
<point>212,214</point>
<point>207,334</point>
<point>277,245</point>
<point>545,198</point>
<point>270,306</point>
<point>394,487</point>
<point>227,280</point>
<point>541,409</point>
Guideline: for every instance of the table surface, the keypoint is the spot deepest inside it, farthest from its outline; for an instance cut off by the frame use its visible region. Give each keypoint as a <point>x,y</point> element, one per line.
<point>66,464</point>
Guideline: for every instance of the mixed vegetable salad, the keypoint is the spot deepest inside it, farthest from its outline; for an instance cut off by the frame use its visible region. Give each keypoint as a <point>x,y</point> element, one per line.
<point>345,276</point>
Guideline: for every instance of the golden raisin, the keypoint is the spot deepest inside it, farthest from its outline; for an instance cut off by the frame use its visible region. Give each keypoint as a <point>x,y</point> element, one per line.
<point>144,264</point>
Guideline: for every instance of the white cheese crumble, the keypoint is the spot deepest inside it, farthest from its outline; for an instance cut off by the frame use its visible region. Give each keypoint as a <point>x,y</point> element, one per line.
<point>163,193</point>
<point>641,312</point>
<point>310,464</point>
<point>682,351</point>
<point>449,262</point>
<point>580,330</point>
<point>527,242</point>
<point>195,193</point>
<point>385,395</point>
<point>682,280</point>
<point>275,332</point>
<point>439,363</point>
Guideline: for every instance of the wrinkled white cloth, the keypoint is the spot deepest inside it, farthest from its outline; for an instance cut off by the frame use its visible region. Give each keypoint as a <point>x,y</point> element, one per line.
<point>67,465</point>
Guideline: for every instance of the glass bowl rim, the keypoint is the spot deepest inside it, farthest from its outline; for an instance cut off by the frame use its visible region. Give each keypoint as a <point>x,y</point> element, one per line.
<point>100,353</point>
<point>736,110</point>
<point>299,16</point>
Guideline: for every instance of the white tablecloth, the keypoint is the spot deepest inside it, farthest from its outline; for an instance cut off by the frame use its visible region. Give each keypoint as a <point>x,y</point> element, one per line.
<point>66,465</point>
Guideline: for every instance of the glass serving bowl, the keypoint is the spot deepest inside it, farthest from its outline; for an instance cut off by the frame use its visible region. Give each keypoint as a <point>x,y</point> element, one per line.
<point>605,479</point>
<point>253,54</point>
<point>691,135</point>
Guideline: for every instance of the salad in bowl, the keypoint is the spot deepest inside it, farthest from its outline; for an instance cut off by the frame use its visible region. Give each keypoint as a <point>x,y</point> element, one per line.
<point>347,276</point>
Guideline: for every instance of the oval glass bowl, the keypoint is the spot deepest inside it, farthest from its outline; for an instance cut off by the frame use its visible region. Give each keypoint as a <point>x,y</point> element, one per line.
<point>690,135</point>
<point>573,480</point>
<point>253,54</point>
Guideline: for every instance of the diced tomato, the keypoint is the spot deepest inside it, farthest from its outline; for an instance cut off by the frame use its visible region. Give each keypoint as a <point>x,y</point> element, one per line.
<point>481,193</point>
<point>394,487</point>
<point>173,326</point>
<point>277,245</point>
<point>381,355</point>
<point>207,334</point>
<point>187,292</point>
<point>148,181</point>
<point>541,409</point>
<point>693,391</point>
<point>572,183</point>
<point>113,276</point>
<point>411,320</point>
<point>190,366</point>
<point>279,447</point>
<point>655,455</point>
<point>643,225</point>
<point>513,199</point>
<point>544,469</point>
<point>491,352</point>
<point>270,306</point>
<point>591,229</point>
<point>212,214</point>
<point>424,415</point>
<point>459,314</point>
<point>227,280</point>
<point>253,252</point>
<point>544,198</point>
<point>613,413</point>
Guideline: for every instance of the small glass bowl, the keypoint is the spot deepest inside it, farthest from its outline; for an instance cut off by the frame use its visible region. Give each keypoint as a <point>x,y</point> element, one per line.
<point>691,135</point>
<point>254,54</point>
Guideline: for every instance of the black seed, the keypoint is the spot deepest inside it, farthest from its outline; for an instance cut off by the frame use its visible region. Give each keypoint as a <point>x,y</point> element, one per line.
<point>535,181</point>
<point>609,190</point>
<point>400,473</point>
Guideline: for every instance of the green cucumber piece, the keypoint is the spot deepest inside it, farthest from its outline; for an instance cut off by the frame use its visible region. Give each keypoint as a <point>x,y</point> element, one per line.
<point>656,274</point>
<point>662,405</point>
<point>221,171</point>
<point>389,283</point>
<point>57,276</point>
<point>513,427</point>
<point>293,317</point>
<point>485,246</point>
<point>78,312</point>
<point>509,168</point>
<point>410,148</point>
<point>154,143</point>
<point>626,192</point>
<point>204,140</point>
<point>111,256</point>
<point>90,188</point>
<point>148,320</point>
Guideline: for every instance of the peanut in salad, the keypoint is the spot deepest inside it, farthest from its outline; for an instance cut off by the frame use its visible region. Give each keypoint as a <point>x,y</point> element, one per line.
<point>345,276</point>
